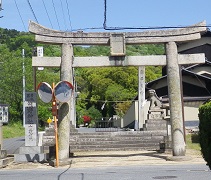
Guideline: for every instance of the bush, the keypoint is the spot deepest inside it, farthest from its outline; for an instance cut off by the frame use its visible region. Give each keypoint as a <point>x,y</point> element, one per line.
<point>205,132</point>
<point>194,138</point>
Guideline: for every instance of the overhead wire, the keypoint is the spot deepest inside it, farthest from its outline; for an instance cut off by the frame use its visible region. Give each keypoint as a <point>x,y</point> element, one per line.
<point>32,11</point>
<point>83,99</point>
<point>203,85</point>
<point>68,10</point>
<point>56,14</point>
<point>47,14</point>
<point>105,27</point>
<point>105,14</point>
<point>20,15</point>
<point>63,14</point>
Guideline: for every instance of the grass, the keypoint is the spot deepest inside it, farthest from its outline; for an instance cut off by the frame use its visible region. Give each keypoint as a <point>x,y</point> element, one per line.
<point>192,142</point>
<point>13,130</point>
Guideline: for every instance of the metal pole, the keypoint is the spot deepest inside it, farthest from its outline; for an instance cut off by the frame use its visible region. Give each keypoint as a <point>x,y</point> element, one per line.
<point>1,135</point>
<point>24,84</point>
<point>54,112</point>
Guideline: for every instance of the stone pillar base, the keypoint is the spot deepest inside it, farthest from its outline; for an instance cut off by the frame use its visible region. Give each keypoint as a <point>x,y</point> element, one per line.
<point>32,154</point>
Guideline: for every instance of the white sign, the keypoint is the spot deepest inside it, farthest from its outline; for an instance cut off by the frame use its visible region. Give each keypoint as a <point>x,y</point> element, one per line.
<point>39,51</point>
<point>4,114</point>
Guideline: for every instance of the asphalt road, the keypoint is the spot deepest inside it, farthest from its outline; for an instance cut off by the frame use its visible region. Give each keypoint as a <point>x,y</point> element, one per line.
<point>149,172</point>
<point>12,145</point>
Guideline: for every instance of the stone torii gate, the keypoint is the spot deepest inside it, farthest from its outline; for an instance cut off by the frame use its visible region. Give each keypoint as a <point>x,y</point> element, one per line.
<point>118,42</point>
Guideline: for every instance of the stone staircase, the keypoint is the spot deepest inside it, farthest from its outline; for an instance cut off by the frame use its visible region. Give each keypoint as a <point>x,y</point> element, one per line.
<point>116,141</point>
<point>149,139</point>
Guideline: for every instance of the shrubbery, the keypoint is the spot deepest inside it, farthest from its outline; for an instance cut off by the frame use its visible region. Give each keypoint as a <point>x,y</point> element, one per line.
<point>205,132</point>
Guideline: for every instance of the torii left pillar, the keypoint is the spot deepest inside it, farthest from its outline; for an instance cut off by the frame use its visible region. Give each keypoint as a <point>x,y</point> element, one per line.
<point>64,113</point>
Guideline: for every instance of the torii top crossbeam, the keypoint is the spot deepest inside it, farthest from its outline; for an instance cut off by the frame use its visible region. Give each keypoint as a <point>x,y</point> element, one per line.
<point>46,35</point>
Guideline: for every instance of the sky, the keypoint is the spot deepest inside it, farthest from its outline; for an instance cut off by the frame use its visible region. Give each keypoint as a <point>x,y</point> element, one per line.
<point>74,15</point>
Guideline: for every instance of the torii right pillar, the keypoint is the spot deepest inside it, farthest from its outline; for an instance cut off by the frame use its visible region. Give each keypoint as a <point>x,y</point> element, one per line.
<point>175,101</point>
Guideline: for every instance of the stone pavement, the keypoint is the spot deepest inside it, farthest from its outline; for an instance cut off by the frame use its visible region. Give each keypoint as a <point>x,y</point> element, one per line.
<point>117,158</point>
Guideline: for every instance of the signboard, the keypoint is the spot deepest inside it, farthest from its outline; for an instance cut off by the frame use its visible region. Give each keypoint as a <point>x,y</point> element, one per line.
<point>40,54</point>
<point>4,114</point>
<point>39,51</point>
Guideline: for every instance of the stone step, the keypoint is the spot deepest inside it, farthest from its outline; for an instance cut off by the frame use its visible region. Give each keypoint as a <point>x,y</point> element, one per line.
<point>152,146</point>
<point>155,121</point>
<point>95,141</point>
<point>80,139</point>
<point>111,144</point>
<point>158,126</point>
<point>122,134</point>
<point>151,128</point>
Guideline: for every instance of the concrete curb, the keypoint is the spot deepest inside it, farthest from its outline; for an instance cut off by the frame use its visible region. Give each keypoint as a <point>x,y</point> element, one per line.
<point>6,161</point>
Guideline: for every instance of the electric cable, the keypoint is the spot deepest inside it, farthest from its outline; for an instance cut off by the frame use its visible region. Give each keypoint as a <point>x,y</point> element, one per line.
<point>32,11</point>
<point>63,14</point>
<point>140,28</point>
<point>105,100</point>
<point>47,14</point>
<point>20,15</point>
<point>105,12</point>
<point>202,84</point>
<point>56,14</point>
<point>68,10</point>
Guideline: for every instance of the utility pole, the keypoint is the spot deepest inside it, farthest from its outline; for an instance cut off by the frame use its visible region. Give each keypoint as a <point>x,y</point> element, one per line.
<point>24,84</point>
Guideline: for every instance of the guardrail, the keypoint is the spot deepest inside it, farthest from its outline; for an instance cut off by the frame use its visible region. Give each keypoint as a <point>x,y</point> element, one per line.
<point>107,124</point>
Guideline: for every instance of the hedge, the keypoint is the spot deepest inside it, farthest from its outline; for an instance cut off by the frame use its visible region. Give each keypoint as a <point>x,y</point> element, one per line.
<point>205,131</point>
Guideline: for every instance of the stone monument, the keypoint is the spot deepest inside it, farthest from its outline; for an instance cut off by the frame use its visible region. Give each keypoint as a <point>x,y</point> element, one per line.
<point>31,152</point>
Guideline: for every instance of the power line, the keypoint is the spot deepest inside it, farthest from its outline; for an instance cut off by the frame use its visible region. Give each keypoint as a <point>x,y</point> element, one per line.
<point>69,14</point>
<point>47,14</point>
<point>56,14</point>
<point>32,11</point>
<point>63,15</point>
<point>139,28</point>
<point>103,101</point>
<point>105,12</point>
<point>20,15</point>
<point>202,84</point>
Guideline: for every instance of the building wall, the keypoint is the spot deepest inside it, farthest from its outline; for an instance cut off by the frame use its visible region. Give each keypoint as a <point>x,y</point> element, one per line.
<point>130,116</point>
<point>191,110</point>
<point>191,113</point>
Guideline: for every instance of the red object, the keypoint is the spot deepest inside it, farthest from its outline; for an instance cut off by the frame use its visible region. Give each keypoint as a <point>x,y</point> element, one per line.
<point>87,119</point>
<point>54,108</point>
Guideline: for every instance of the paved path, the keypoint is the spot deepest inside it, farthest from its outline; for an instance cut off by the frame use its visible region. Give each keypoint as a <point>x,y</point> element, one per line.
<point>12,145</point>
